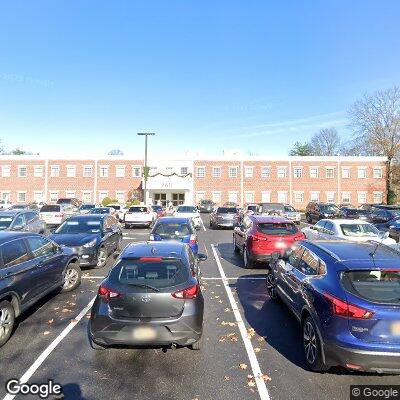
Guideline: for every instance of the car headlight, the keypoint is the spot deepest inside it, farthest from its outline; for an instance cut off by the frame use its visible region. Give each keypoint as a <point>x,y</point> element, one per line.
<point>90,244</point>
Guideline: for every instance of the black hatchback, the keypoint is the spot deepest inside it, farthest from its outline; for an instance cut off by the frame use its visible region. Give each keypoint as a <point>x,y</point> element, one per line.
<point>151,298</point>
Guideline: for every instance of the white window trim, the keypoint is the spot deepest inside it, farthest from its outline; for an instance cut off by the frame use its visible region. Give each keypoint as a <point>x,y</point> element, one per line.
<point>267,193</point>
<point>346,169</point>
<point>70,191</point>
<point>203,167</point>
<point>248,167</point>
<point>313,167</point>
<point>140,171</point>
<point>70,167</point>
<point>269,171</point>
<point>328,168</point>
<point>103,167</point>
<point>375,169</point>
<point>19,168</point>
<point>119,168</point>
<point>234,167</point>
<point>298,192</point>
<point>362,168</point>
<point>284,167</point>
<point>87,167</point>
<point>21,192</point>
<point>216,167</point>
<point>8,167</point>
<point>301,174</point>
<point>35,167</point>
<point>54,166</point>
<point>346,194</point>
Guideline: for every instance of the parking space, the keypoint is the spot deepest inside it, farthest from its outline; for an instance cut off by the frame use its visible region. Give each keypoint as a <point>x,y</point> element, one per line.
<point>252,346</point>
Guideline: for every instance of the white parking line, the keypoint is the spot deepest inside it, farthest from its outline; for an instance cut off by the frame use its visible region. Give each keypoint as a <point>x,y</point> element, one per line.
<point>255,366</point>
<point>244,278</point>
<point>136,233</point>
<point>92,277</point>
<point>202,225</point>
<point>39,361</point>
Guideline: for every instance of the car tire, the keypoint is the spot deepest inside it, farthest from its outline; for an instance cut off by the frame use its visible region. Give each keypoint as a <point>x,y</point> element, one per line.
<point>246,259</point>
<point>270,283</point>
<point>72,277</point>
<point>101,257</point>
<point>312,346</point>
<point>235,248</point>
<point>93,344</point>
<point>7,321</point>
<point>197,345</point>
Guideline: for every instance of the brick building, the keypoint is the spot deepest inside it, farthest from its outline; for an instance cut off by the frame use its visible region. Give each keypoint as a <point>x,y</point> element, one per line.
<point>295,180</point>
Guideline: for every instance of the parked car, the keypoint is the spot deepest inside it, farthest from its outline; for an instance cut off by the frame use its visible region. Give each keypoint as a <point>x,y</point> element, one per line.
<point>230,204</point>
<point>92,237</point>
<point>224,217</point>
<point>189,212</point>
<point>53,215</point>
<point>272,208</point>
<point>159,210</point>
<point>291,213</point>
<point>69,202</point>
<point>381,216</point>
<point>346,205</point>
<point>249,209</point>
<point>102,210</point>
<point>21,220</point>
<point>206,206</point>
<point>31,267</point>
<point>355,213</point>
<point>392,227</point>
<point>346,297</point>
<point>152,297</point>
<point>259,236</point>
<point>86,208</point>
<point>175,229</point>
<point>4,205</point>
<point>23,206</point>
<point>316,211</point>
<point>346,229</point>
<point>140,216</point>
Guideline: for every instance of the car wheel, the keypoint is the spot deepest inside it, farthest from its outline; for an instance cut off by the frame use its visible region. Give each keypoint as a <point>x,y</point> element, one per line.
<point>7,319</point>
<point>270,282</point>
<point>197,345</point>
<point>235,248</point>
<point>101,257</point>
<point>312,346</point>
<point>72,277</point>
<point>246,259</point>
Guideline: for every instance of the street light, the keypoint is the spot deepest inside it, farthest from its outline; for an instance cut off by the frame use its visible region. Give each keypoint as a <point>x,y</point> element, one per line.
<point>145,134</point>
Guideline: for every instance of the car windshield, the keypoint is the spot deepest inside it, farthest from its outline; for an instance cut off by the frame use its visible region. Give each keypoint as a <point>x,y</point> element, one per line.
<point>378,286</point>
<point>277,228</point>
<point>329,208</point>
<point>206,202</point>
<point>87,207</point>
<point>172,230</point>
<point>138,209</point>
<point>104,210</point>
<point>159,274</point>
<point>359,230</point>
<point>289,209</point>
<point>157,208</point>
<point>186,209</point>
<point>18,207</point>
<point>5,222</point>
<point>114,206</point>
<point>80,226</point>
<point>394,213</point>
<point>226,210</point>
<point>266,207</point>
<point>253,208</point>
<point>50,208</point>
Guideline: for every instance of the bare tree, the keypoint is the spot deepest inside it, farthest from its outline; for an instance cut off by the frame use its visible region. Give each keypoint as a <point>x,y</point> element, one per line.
<point>115,152</point>
<point>326,142</point>
<point>376,120</point>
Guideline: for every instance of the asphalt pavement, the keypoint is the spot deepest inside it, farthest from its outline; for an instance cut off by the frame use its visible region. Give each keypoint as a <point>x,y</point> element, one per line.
<point>252,347</point>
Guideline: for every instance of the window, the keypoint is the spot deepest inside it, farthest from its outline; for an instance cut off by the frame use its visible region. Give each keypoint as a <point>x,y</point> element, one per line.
<point>38,196</point>
<point>281,172</point>
<point>104,171</point>
<point>282,197</point>
<point>378,197</point>
<point>216,172</point>
<point>120,196</point>
<point>53,196</point>
<point>298,197</point>
<point>200,196</point>
<point>87,171</point>
<point>38,171</point>
<point>330,172</point>
<point>314,196</point>
<point>71,171</point>
<point>22,171</point>
<point>346,197</point>
<point>120,171</point>
<point>233,172</point>
<point>378,173</point>
<point>345,172</point>
<point>362,197</point>
<point>14,252</point>
<point>295,256</point>
<point>201,172</point>
<point>330,197</point>
<point>233,197</point>
<point>248,172</point>
<point>6,171</point>
<point>86,196</point>
<point>309,263</point>
<point>249,197</point>
<point>54,170</point>
<point>70,194</point>
<point>40,246</point>
<point>21,197</point>
<point>362,172</point>
<point>216,197</point>
<point>266,196</point>
<point>136,171</point>
<point>265,172</point>
<point>314,172</point>
<point>297,172</point>
<point>184,171</point>
<point>102,195</point>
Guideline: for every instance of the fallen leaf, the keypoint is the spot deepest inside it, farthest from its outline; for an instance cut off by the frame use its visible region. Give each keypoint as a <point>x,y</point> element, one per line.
<point>65,310</point>
<point>217,297</point>
<point>57,308</point>
<point>266,378</point>
<point>261,339</point>
<point>257,350</point>
<point>226,378</point>
<point>251,383</point>
<point>251,332</point>
<point>222,339</point>
<point>46,333</point>
<point>227,309</point>
<point>242,366</point>
<point>50,321</point>
<point>220,301</point>
<point>217,285</point>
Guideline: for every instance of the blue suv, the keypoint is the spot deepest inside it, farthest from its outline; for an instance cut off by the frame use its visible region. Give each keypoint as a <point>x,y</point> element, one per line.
<point>346,296</point>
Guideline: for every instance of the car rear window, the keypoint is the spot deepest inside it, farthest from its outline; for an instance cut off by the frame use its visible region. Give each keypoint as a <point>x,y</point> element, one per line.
<point>50,208</point>
<point>159,274</point>
<point>378,286</point>
<point>186,209</point>
<point>115,207</point>
<point>226,210</point>
<point>5,221</point>
<point>171,230</point>
<point>266,207</point>
<point>277,228</point>
<point>359,230</point>
<point>138,209</point>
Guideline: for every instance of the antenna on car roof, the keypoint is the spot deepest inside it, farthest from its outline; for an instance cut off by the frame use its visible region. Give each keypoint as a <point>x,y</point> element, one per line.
<point>372,254</point>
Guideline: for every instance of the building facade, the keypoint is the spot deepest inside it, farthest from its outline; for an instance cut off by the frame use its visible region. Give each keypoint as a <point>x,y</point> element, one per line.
<point>294,180</point>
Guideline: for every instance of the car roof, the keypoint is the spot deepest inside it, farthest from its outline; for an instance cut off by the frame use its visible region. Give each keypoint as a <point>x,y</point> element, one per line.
<point>269,219</point>
<point>11,213</point>
<point>88,216</point>
<point>153,249</point>
<point>345,221</point>
<point>181,220</point>
<point>6,236</point>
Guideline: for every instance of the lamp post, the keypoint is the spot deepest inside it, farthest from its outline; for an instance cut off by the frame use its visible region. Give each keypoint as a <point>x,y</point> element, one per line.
<point>145,134</point>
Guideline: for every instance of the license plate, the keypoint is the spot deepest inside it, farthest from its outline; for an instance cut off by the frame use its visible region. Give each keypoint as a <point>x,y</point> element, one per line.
<point>144,333</point>
<point>280,245</point>
<point>395,328</point>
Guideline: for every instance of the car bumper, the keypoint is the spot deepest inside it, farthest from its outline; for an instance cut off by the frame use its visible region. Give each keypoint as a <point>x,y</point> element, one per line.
<point>226,223</point>
<point>138,223</point>
<point>369,361</point>
<point>87,256</point>
<point>261,258</point>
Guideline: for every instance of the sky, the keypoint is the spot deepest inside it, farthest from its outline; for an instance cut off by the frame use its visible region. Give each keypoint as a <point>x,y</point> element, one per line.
<point>83,77</point>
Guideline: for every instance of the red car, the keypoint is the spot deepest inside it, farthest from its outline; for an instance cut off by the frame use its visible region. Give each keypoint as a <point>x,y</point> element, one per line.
<point>259,236</point>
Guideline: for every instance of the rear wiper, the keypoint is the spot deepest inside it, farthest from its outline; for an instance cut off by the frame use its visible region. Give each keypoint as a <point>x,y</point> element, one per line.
<point>143,285</point>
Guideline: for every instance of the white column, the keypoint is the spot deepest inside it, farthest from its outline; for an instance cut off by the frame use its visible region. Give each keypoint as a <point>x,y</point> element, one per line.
<point>339,196</point>
<point>46,179</point>
<point>290,182</point>
<point>241,183</point>
<point>95,182</point>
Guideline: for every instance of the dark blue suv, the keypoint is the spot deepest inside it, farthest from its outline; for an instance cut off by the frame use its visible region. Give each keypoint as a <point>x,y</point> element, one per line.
<point>346,296</point>
<point>31,266</point>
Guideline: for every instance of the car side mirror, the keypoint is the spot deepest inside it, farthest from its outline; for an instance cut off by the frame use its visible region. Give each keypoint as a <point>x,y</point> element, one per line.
<point>383,235</point>
<point>17,227</point>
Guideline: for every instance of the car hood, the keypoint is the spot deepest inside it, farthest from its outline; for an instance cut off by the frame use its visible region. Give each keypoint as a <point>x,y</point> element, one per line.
<point>226,215</point>
<point>186,215</point>
<point>74,239</point>
<point>387,241</point>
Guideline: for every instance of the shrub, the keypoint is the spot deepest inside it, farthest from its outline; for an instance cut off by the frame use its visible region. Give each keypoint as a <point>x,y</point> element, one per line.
<point>107,200</point>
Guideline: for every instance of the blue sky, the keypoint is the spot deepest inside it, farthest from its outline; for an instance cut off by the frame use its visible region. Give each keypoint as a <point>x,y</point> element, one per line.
<point>84,77</point>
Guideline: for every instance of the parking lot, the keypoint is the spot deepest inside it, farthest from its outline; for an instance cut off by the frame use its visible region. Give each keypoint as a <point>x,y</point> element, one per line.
<point>252,346</point>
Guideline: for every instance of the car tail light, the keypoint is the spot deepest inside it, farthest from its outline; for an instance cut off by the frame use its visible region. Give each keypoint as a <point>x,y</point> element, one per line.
<point>258,238</point>
<point>150,258</point>
<point>192,239</point>
<point>300,236</point>
<point>59,215</point>
<point>188,293</point>
<point>107,293</point>
<point>344,309</point>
